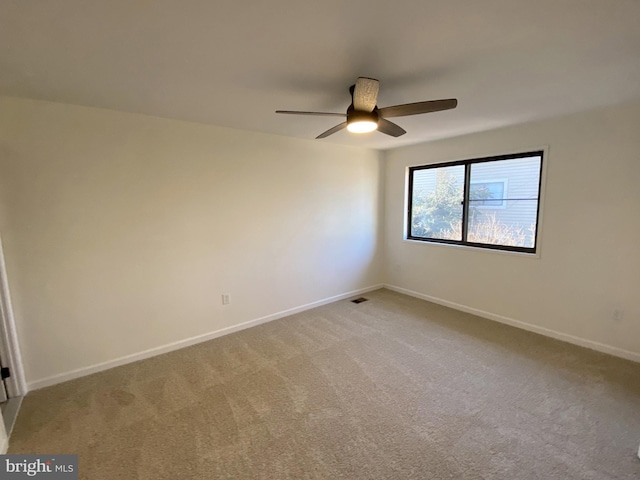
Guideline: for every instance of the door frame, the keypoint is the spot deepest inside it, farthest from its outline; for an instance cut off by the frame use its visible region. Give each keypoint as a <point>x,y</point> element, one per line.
<point>9,345</point>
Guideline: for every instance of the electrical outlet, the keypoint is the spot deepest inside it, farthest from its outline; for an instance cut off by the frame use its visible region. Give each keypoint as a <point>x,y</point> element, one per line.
<point>226,299</point>
<point>618,314</point>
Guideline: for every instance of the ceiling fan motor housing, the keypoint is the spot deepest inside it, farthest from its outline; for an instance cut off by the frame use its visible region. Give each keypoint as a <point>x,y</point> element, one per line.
<point>354,116</point>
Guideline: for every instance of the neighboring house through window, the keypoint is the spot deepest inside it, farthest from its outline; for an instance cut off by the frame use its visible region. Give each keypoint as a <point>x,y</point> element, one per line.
<point>488,194</point>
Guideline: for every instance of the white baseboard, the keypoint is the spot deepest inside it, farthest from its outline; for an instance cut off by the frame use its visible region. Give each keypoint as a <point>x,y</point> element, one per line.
<point>152,352</point>
<point>600,347</point>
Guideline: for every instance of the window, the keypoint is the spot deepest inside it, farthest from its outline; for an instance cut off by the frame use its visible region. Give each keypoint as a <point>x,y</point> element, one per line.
<point>491,202</point>
<point>488,194</point>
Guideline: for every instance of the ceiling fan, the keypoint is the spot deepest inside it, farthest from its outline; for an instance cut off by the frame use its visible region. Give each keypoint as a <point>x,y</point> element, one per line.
<point>363,115</point>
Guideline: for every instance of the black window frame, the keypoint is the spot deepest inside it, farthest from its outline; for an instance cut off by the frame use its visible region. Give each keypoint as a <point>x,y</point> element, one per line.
<point>465,203</point>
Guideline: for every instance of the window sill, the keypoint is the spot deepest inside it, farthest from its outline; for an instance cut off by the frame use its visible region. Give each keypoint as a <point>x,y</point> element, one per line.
<point>476,249</point>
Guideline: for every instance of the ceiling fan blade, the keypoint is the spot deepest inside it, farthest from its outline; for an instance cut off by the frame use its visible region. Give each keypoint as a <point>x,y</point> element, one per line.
<point>333,130</point>
<point>390,128</point>
<point>365,94</point>
<point>323,114</point>
<point>417,108</point>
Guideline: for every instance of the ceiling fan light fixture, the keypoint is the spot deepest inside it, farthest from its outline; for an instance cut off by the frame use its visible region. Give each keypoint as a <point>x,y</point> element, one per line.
<point>362,122</point>
<point>362,126</point>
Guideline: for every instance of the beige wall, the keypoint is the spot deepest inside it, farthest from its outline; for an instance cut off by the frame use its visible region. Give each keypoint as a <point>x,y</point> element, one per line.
<point>590,253</point>
<point>122,231</point>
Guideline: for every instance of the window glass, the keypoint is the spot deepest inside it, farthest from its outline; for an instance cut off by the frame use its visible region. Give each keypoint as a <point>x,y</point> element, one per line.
<point>515,224</point>
<point>437,203</point>
<point>487,194</point>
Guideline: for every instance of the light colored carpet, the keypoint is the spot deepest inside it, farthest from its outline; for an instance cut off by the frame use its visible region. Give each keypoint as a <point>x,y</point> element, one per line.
<point>393,388</point>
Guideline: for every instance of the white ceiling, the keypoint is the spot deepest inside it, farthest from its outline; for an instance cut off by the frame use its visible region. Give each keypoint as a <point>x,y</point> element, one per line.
<point>233,63</point>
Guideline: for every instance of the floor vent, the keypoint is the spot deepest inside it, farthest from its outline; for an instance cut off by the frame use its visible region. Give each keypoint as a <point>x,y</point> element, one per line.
<point>359,300</point>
